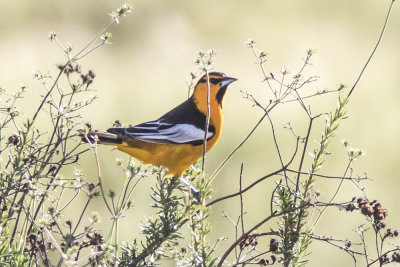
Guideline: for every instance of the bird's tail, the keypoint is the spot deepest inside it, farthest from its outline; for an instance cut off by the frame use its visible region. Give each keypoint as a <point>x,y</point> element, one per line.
<point>100,138</point>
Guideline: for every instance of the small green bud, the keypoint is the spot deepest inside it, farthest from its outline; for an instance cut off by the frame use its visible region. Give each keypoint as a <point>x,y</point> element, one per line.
<point>250,43</point>
<point>106,37</point>
<point>51,210</point>
<point>284,70</point>
<point>52,36</point>
<point>95,217</point>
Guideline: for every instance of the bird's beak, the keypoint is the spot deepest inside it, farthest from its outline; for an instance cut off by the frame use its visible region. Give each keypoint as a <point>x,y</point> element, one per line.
<point>227,81</point>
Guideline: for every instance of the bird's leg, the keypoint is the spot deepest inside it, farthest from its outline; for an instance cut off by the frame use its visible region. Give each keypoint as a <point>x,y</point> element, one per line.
<point>195,192</point>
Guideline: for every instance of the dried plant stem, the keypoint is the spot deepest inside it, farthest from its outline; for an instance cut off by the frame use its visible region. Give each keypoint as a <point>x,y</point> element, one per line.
<point>203,163</point>
<point>375,48</point>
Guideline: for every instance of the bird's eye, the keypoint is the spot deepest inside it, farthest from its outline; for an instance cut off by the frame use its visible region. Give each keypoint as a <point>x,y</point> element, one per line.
<point>215,80</point>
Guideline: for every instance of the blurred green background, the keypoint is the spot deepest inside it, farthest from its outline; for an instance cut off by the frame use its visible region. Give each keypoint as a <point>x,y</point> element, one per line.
<point>143,74</point>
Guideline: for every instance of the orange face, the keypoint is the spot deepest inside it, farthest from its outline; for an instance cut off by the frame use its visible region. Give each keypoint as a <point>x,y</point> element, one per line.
<point>218,83</point>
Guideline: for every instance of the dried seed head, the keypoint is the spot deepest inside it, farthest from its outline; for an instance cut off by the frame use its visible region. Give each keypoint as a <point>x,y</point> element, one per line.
<point>365,207</point>
<point>273,245</point>
<point>68,69</point>
<point>350,207</point>
<point>78,68</point>
<point>248,241</point>
<point>88,78</point>
<point>13,140</point>
<point>396,257</point>
<point>263,262</point>
<point>384,259</point>
<point>373,209</point>
<point>380,225</point>
<point>380,213</point>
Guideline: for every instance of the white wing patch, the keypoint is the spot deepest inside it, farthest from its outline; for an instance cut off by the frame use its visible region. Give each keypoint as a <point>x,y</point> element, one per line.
<point>158,132</point>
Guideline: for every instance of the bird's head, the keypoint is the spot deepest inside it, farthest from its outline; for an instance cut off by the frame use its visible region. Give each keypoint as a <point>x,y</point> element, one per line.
<point>218,84</point>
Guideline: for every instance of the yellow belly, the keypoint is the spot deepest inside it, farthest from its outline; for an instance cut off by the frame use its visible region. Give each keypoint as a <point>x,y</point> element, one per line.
<point>176,157</point>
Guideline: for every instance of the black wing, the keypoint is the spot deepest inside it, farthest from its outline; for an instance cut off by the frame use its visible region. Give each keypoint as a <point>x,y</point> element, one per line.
<point>182,125</point>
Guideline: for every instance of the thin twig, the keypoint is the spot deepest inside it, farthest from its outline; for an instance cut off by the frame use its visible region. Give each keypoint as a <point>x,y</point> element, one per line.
<point>241,197</point>
<point>374,50</point>
<point>207,123</point>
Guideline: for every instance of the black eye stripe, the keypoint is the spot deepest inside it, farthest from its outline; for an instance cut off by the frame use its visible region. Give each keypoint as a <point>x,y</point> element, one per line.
<point>212,80</point>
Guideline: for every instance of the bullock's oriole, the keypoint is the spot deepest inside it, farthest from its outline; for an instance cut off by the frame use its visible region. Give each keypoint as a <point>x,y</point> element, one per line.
<point>175,140</point>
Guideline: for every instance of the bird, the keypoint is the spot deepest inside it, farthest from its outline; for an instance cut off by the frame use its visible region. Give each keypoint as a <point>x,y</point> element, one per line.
<point>175,140</point>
